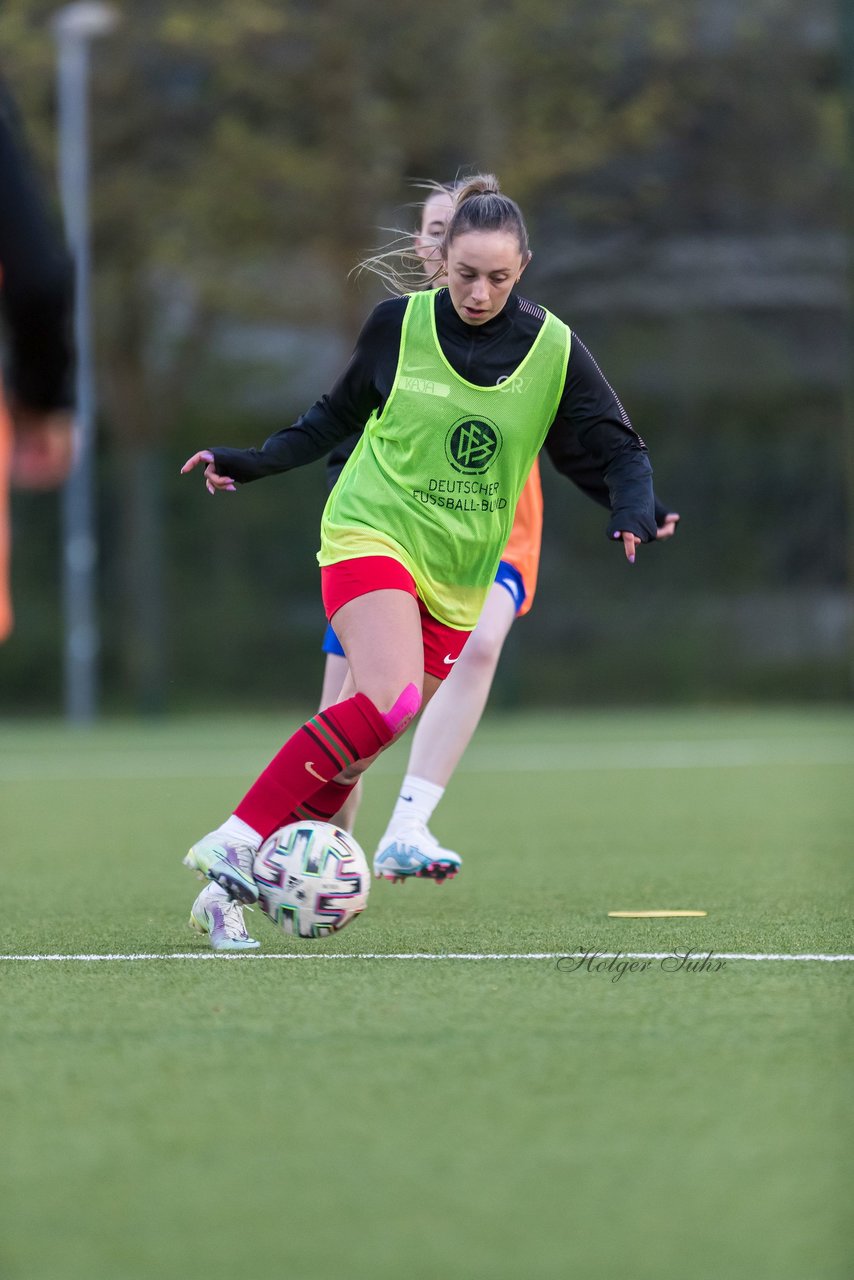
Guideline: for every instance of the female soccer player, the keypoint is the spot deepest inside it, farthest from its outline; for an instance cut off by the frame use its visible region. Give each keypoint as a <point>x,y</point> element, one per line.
<point>456,390</point>
<point>446,728</point>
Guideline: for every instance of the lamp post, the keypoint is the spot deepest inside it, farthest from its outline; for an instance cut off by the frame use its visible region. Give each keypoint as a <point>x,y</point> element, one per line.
<point>75,26</point>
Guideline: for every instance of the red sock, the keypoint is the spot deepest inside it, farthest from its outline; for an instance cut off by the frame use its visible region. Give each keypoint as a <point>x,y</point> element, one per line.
<point>323,805</point>
<point>319,750</point>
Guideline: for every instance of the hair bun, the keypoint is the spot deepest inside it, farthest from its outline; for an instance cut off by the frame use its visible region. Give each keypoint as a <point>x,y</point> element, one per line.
<point>480,184</point>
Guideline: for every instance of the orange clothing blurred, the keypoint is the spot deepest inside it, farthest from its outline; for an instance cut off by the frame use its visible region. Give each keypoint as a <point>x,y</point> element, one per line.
<point>526,536</point>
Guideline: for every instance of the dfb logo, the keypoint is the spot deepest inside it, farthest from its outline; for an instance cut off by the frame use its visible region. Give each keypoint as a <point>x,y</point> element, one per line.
<point>472,445</point>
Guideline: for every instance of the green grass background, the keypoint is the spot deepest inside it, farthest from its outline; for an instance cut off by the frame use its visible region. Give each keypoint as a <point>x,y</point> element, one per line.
<point>383,1118</point>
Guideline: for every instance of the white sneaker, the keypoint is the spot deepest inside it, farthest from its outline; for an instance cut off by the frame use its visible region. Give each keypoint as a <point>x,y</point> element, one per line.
<point>411,849</point>
<point>227,861</point>
<point>215,914</point>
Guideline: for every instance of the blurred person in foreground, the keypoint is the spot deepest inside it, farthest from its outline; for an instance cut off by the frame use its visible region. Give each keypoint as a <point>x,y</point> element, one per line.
<point>36,306</point>
<point>455,391</point>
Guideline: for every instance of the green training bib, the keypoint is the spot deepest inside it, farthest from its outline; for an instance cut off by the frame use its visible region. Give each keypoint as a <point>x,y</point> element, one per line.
<point>435,478</point>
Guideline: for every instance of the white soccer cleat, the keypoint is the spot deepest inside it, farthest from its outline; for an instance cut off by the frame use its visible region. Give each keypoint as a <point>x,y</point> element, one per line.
<point>215,914</point>
<point>228,862</point>
<point>410,849</point>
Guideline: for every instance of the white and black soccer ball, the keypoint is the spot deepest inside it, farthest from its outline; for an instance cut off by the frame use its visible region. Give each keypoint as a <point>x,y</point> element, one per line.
<point>312,877</point>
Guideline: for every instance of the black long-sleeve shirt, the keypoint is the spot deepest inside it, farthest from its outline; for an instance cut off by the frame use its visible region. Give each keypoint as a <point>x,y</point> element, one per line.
<point>590,440</point>
<point>36,280</point>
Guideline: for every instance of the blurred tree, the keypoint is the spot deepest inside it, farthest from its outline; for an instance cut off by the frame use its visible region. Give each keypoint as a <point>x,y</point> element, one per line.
<point>245,155</point>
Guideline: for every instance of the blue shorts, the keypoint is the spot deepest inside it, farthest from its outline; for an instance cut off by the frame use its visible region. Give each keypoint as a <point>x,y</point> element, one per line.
<point>331,643</point>
<point>511,580</point>
<point>507,577</point>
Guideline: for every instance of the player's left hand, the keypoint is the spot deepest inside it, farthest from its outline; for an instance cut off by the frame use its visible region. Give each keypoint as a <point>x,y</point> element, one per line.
<point>668,529</point>
<point>631,542</point>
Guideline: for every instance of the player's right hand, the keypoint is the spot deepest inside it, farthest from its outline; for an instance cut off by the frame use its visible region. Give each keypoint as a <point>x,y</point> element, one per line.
<point>213,480</point>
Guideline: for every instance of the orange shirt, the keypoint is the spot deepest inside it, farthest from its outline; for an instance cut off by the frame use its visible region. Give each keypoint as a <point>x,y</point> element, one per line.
<point>523,545</point>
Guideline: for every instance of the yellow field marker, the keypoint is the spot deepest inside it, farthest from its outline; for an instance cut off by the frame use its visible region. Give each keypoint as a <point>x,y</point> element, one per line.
<point>653,915</point>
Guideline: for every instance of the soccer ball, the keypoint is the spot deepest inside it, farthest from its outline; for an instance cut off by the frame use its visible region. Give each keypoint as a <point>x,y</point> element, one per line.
<point>312,878</point>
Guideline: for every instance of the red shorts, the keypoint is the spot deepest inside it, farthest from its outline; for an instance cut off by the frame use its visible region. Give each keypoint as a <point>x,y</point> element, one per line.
<point>348,579</point>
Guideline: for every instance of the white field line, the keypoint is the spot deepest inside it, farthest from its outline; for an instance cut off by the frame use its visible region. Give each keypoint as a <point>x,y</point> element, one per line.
<point>441,955</point>
<point>133,764</point>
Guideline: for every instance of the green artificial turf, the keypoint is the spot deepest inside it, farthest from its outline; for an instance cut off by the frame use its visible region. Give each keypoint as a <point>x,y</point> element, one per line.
<point>379,1118</point>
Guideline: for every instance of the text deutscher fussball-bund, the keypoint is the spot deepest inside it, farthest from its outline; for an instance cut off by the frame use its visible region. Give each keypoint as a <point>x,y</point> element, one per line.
<point>443,493</point>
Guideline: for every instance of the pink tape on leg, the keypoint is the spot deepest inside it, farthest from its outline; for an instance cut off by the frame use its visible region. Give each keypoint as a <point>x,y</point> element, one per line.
<point>404,709</point>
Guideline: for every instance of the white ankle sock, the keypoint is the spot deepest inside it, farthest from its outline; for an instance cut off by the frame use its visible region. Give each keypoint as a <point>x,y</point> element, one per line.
<point>417,800</point>
<point>241,831</point>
